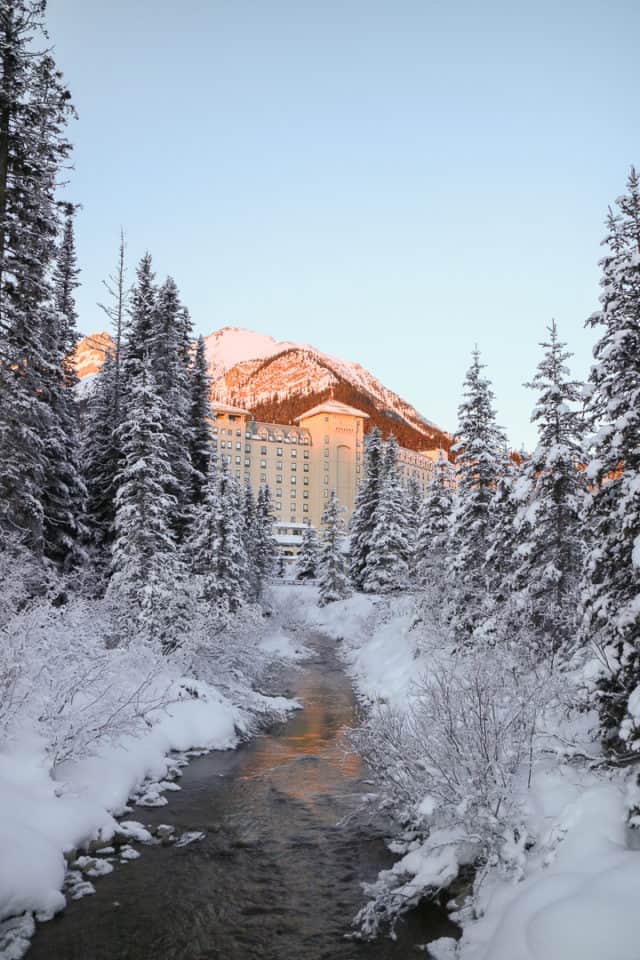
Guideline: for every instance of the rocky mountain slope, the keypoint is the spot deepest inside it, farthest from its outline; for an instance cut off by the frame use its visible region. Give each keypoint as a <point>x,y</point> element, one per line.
<point>278,381</point>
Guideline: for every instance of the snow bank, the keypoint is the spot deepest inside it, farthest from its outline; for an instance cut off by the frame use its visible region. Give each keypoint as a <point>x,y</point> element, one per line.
<point>47,811</point>
<point>578,899</point>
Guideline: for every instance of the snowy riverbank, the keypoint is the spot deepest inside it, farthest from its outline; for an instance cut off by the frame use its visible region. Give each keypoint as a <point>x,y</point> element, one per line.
<point>568,894</point>
<point>62,787</point>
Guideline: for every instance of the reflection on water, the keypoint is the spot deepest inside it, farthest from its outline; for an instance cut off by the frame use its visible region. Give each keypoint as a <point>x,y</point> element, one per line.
<point>278,874</point>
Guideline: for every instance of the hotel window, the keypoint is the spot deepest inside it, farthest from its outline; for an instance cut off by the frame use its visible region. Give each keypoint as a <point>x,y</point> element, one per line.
<point>278,466</point>
<point>278,493</point>
<point>214,429</point>
<point>294,453</point>
<point>247,448</point>
<point>263,478</point>
<point>232,418</point>
<point>278,479</point>
<point>238,445</point>
<point>293,479</point>
<point>305,467</point>
<point>278,505</point>
<point>248,434</point>
<point>326,494</point>
<point>279,451</point>
<point>326,419</point>
<point>326,478</point>
<point>263,463</point>
<point>305,507</point>
<point>305,494</point>
<point>238,459</point>
<point>294,466</point>
<point>238,433</point>
<point>326,439</point>
<point>306,481</point>
<point>214,444</point>
<point>305,454</point>
<point>326,453</point>
<point>223,444</point>
<point>263,451</point>
<point>247,463</point>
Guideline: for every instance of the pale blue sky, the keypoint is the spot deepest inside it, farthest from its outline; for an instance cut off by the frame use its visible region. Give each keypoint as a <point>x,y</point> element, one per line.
<point>389,181</point>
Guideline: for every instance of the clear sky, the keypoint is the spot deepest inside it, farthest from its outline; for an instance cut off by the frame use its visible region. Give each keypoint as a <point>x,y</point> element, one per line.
<point>389,181</point>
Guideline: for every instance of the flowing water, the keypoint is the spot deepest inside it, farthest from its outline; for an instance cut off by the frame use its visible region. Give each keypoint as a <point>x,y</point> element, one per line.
<point>277,876</point>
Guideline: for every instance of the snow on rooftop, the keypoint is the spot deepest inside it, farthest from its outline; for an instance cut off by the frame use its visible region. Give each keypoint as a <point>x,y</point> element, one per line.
<point>333,406</point>
<point>217,407</point>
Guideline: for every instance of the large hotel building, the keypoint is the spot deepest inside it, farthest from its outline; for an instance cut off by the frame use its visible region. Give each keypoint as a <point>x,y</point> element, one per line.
<point>302,462</point>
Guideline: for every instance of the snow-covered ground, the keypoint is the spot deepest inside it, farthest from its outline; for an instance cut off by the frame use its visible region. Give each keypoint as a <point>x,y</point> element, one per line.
<point>572,896</point>
<point>62,790</point>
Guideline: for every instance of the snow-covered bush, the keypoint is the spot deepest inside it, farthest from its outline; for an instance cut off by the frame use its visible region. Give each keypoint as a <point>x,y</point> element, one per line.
<point>58,676</point>
<point>453,767</point>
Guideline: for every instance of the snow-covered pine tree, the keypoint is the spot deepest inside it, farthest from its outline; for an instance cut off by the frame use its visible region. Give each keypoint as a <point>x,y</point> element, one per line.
<point>101,459</point>
<point>387,563</point>
<point>363,517</point>
<point>433,528</point>
<point>308,558</point>
<point>332,576</point>
<point>200,431</point>
<point>138,348</point>
<point>116,310</point>
<point>34,109</point>
<point>552,492</point>
<point>64,492</point>
<point>266,547</point>
<point>503,620</point>
<point>147,583</point>
<point>413,498</point>
<point>480,458</point>
<point>169,350</point>
<point>216,545</point>
<point>250,539</point>
<point>611,583</point>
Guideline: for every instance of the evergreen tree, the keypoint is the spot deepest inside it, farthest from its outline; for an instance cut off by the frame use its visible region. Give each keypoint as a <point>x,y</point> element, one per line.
<point>333,583</point>
<point>64,491</point>
<point>217,547</point>
<point>363,518</point>
<point>140,329</point>
<point>503,617</point>
<point>250,539</point>
<point>147,583</point>
<point>387,564</point>
<point>413,500</point>
<point>116,311</point>
<point>611,583</point>
<point>309,556</point>
<point>34,109</point>
<point>552,490</point>
<point>101,458</point>
<point>169,348</point>
<point>200,431</point>
<point>266,547</point>
<point>433,527</point>
<point>480,461</point>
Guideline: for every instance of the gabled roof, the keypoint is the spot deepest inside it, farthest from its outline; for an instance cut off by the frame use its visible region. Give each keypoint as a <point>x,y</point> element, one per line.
<point>227,408</point>
<point>333,406</point>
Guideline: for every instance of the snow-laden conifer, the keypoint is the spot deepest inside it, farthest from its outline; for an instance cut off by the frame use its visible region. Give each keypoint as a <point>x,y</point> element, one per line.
<point>147,583</point>
<point>33,150</point>
<point>363,517</point>
<point>480,458</point>
<point>308,558</point>
<point>64,491</point>
<point>265,547</point>
<point>432,534</point>
<point>332,578</point>
<point>551,491</point>
<point>199,428</point>
<point>387,564</point>
<point>611,583</point>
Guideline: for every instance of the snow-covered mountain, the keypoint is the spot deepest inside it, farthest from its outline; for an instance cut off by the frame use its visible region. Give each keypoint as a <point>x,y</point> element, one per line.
<point>277,381</point>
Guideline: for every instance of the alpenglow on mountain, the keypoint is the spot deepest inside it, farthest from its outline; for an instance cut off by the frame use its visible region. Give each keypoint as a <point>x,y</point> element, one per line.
<point>277,381</point>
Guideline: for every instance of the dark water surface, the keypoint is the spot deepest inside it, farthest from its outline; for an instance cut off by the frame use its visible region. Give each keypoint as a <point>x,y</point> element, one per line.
<point>278,874</point>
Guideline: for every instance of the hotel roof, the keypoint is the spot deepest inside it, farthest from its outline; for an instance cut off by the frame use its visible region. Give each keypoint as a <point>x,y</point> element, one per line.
<point>333,406</point>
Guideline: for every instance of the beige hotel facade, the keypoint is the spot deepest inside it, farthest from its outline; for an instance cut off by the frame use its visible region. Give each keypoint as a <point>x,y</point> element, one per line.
<point>303,461</point>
